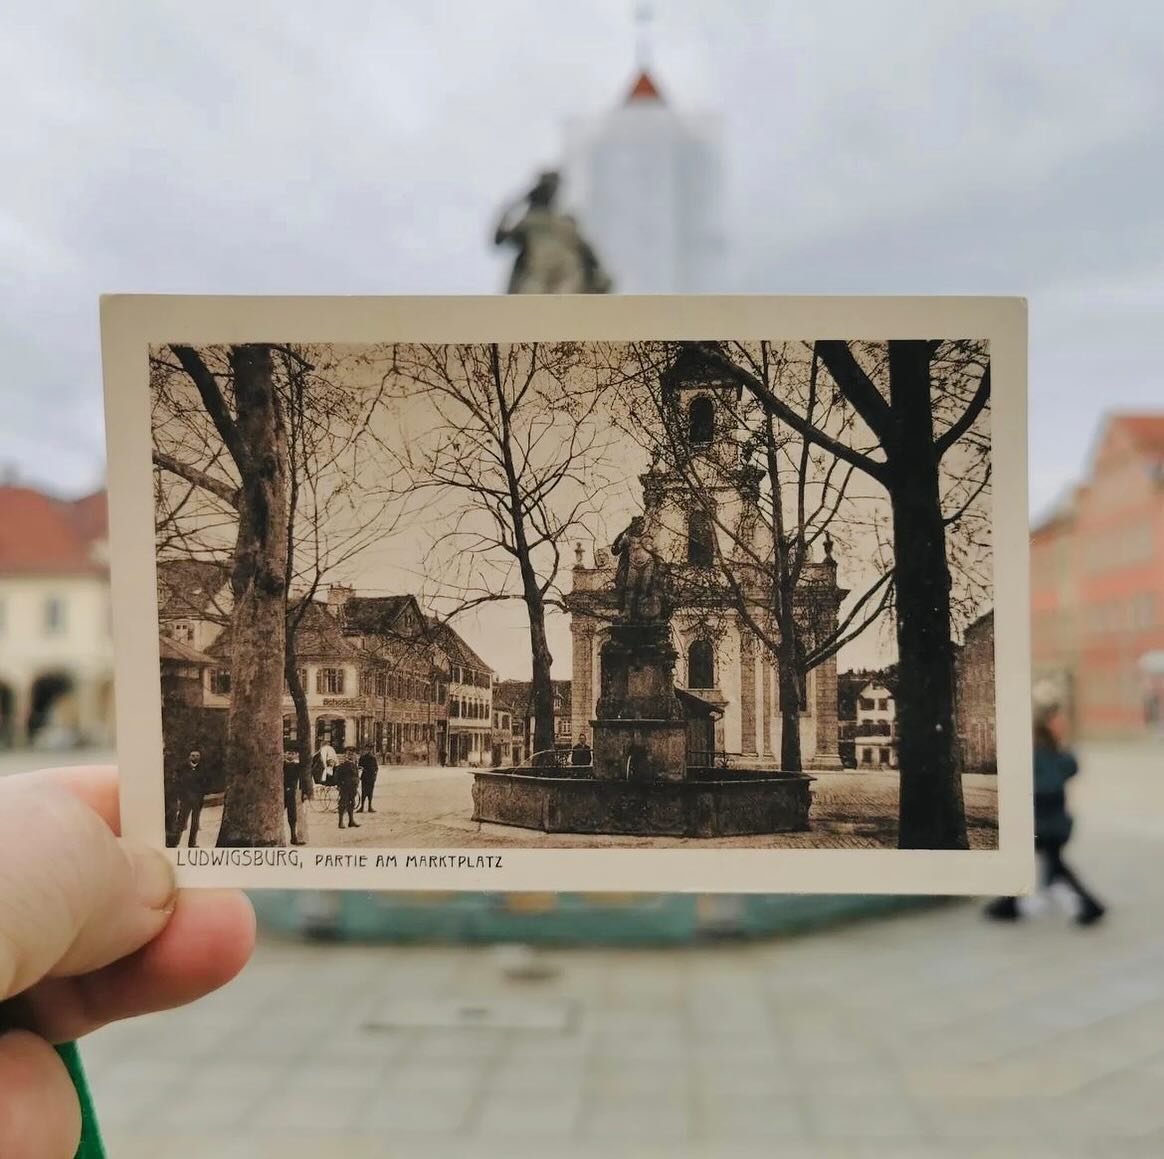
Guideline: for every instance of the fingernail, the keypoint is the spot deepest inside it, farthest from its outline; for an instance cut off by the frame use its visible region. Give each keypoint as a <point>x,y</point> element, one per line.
<point>153,876</point>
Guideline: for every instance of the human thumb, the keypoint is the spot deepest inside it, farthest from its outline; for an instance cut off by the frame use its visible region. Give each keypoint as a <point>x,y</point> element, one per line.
<point>73,897</point>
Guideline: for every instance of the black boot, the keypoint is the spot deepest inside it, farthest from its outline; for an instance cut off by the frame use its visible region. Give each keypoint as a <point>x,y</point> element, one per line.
<point>1003,909</point>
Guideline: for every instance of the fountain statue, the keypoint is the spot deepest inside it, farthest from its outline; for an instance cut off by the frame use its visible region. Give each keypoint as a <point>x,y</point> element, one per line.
<point>552,255</point>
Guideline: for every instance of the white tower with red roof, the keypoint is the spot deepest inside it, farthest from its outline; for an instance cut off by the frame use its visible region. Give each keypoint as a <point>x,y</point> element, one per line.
<point>645,179</point>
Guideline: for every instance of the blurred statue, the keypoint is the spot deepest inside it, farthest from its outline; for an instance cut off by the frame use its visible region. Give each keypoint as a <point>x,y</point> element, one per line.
<point>552,255</point>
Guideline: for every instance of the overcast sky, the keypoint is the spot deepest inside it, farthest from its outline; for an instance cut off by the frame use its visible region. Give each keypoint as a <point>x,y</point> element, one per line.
<point>1012,146</point>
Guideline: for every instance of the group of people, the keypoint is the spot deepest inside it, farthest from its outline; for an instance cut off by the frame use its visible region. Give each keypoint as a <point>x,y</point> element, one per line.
<point>353,774</point>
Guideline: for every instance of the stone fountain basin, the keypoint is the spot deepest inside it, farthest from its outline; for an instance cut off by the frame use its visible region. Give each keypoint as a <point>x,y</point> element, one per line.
<point>708,803</point>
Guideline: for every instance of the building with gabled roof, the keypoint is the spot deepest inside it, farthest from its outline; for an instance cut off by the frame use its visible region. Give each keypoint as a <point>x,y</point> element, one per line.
<point>366,683</point>
<point>470,729</point>
<point>1097,583</point>
<point>194,600</point>
<point>517,697</point>
<point>56,646</point>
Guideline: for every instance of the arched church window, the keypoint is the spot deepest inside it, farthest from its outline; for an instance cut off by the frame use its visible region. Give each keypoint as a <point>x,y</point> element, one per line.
<point>701,665</point>
<point>700,422</point>
<point>700,539</point>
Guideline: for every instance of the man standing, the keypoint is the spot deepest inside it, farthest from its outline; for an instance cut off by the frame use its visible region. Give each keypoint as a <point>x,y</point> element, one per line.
<point>327,758</point>
<point>191,791</point>
<point>347,778</point>
<point>368,770</point>
<point>295,793</point>
<point>580,754</point>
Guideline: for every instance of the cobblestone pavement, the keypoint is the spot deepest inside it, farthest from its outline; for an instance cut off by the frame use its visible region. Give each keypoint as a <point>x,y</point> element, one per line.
<point>433,807</point>
<point>926,1035</point>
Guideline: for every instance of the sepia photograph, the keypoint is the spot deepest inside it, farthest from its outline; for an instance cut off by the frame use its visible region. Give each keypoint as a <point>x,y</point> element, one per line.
<point>422,604</point>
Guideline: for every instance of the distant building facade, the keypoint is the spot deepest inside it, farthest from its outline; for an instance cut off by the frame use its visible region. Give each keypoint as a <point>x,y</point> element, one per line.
<point>875,733</point>
<point>56,643</point>
<point>375,671</point>
<point>976,699</point>
<point>518,696</point>
<point>1097,583</point>
<point>470,696</point>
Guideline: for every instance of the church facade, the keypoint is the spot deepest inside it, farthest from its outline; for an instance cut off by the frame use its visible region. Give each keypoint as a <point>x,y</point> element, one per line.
<point>721,658</point>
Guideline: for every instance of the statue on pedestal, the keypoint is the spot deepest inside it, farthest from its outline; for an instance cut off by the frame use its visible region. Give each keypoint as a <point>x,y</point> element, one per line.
<point>552,255</point>
<point>638,581</point>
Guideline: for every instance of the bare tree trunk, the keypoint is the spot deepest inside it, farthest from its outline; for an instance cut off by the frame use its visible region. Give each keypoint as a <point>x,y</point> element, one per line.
<point>305,743</point>
<point>787,655</point>
<point>542,690</point>
<point>788,675</point>
<point>932,814</point>
<point>253,808</point>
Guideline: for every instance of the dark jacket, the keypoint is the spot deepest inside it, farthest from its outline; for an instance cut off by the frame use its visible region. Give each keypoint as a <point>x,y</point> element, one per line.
<point>346,774</point>
<point>290,776</point>
<point>1053,770</point>
<point>368,767</point>
<point>193,780</point>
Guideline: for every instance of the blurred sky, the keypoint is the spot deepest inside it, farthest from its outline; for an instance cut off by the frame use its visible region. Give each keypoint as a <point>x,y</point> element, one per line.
<point>279,147</point>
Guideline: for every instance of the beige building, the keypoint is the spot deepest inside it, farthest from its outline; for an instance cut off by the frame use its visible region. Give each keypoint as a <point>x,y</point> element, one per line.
<point>56,644</point>
<point>875,735</point>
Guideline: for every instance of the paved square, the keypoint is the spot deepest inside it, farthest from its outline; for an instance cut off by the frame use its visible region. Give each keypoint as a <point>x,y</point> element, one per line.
<point>932,1034</point>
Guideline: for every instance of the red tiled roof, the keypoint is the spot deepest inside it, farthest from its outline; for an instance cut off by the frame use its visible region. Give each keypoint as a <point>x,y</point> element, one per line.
<point>40,535</point>
<point>1145,430</point>
<point>644,89</point>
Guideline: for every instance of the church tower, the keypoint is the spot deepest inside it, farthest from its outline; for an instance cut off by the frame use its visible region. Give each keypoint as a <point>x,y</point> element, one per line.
<point>645,180</point>
<point>701,453</point>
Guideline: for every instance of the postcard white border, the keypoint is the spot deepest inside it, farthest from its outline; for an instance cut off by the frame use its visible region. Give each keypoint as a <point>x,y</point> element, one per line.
<point>130,324</point>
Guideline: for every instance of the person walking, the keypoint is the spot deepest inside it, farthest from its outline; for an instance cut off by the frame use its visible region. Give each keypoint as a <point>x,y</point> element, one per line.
<point>369,768</point>
<point>192,787</point>
<point>1055,765</point>
<point>347,779</point>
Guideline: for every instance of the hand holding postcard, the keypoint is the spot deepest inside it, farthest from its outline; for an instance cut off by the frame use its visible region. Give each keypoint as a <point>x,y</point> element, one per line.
<point>661,594</point>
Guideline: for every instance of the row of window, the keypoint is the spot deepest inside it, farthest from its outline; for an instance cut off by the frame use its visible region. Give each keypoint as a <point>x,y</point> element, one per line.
<point>334,682</point>
<point>871,704</point>
<point>383,736</point>
<point>472,676</point>
<point>53,618</point>
<point>1130,615</point>
<point>400,686</point>
<point>466,708</point>
<point>1120,547</point>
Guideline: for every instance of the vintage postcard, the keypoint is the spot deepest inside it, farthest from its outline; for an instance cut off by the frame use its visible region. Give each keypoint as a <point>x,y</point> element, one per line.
<point>573,593</point>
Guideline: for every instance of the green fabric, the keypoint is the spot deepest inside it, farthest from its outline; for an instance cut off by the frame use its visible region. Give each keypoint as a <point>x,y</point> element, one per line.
<point>91,1146</point>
